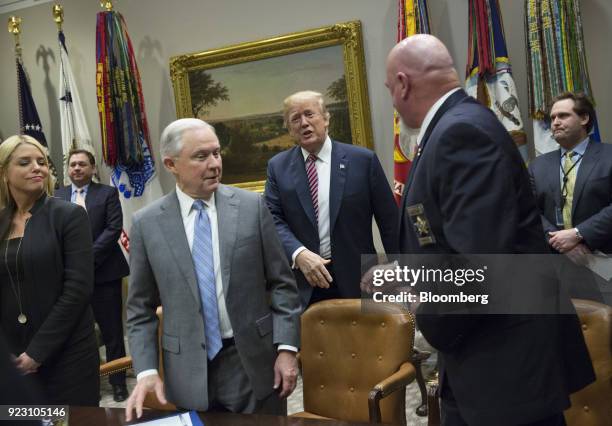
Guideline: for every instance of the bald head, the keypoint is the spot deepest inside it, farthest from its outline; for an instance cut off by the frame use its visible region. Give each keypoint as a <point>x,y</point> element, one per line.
<point>420,70</point>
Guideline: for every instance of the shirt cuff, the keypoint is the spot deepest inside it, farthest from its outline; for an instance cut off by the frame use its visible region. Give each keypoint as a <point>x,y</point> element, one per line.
<point>287,348</point>
<point>294,255</point>
<point>145,373</point>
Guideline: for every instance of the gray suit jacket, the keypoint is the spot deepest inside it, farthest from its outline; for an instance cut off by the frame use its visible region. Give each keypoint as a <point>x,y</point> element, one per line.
<point>260,292</point>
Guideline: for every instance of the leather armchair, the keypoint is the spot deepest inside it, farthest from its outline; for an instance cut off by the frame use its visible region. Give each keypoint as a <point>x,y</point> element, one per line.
<point>592,406</point>
<point>125,363</point>
<point>356,361</point>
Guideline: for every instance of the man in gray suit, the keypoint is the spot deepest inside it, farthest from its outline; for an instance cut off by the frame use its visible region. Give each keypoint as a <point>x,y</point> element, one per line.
<point>210,255</point>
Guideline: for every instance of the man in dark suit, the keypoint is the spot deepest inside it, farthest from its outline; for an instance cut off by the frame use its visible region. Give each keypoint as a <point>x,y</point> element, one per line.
<point>106,219</point>
<point>323,195</point>
<point>573,188</point>
<point>468,192</point>
<point>209,254</point>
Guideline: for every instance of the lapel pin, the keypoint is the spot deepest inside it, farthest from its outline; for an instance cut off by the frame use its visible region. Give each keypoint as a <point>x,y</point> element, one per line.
<point>341,165</point>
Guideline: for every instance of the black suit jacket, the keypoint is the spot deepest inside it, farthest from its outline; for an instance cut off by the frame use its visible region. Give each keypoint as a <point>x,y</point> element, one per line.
<point>358,191</point>
<point>592,204</point>
<point>474,191</point>
<point>106,219</point>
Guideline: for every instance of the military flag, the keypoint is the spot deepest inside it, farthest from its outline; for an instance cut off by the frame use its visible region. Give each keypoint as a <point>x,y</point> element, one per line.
<point>488,71</point>
<point>126,144</point>
<point>556,60</point>
<point>413,18</point>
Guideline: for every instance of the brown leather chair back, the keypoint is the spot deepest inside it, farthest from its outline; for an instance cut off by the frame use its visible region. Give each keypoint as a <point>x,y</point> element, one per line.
<point>346,351</point>
<point>592,406</point>
<point>151,400</point>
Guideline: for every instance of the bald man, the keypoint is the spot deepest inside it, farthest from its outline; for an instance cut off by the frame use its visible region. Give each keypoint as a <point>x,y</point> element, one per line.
<point>468,192</point>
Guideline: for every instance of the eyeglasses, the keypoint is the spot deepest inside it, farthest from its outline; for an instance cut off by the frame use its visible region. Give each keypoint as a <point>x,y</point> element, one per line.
<point>296,119</point>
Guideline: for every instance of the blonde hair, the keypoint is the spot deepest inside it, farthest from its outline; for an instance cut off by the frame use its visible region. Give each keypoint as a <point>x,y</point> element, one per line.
<point>306,95</point>
<point>6,154</point>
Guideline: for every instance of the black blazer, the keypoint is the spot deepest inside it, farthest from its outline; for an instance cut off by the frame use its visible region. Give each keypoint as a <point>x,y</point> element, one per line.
<point>58,262</point>
<point>474,192</point>
<point>106,219</point>
<point>358,191</point>
<point>592,205</point>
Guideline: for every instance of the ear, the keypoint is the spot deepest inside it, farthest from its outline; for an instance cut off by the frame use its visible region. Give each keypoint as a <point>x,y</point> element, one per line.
<point>404,82</point>
<point>169,164</point>
<point>584,119</point>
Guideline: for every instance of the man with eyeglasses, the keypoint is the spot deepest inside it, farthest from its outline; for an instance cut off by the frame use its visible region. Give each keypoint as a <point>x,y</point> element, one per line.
<point>573,187</point>
<point>323,194</point>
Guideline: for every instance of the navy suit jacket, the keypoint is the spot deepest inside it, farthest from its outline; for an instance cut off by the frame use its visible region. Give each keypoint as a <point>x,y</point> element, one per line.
<point>106,219</point>
<point>471,183</point>
<point>358,190</point>
<point>592,204</point>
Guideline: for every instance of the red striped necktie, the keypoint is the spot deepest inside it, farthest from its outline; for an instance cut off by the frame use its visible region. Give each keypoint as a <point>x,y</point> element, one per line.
<point>313,183</point>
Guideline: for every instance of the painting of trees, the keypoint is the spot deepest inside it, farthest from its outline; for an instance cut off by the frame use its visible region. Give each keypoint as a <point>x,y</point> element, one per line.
<point>205,92</point>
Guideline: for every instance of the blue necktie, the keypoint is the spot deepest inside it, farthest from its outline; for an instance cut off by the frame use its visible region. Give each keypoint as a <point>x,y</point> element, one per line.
<point>202,253</point>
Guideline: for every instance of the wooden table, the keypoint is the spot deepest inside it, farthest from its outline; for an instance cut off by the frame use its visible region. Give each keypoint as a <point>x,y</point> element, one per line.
<point>95,416</point>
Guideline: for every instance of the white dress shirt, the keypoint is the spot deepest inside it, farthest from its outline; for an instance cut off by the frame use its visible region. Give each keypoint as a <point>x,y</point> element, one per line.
<point>323,166</point>
<point>189,214</point>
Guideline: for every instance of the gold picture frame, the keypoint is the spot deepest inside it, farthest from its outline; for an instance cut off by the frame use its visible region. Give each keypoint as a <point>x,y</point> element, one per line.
<point>212,73</point>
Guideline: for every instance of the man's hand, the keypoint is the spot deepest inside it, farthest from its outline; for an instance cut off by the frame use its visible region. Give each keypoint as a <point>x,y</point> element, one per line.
<point>367,280</point>
<point>313,267</point>
<point>152,383</point>
<point>285,373</point>
<point>25,364</point>
<point>563,241</point>
<point>579,254</point>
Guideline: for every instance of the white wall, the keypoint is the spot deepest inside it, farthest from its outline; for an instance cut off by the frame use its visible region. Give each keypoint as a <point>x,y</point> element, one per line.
<point>160,29</point>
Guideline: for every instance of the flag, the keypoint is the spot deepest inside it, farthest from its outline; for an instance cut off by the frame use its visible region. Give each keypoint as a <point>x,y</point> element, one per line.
<point>126,144</point>
<point>75,133</point>
<point>413,18</point>
<point>29,121</point>
<point>488,71</point>
<point>556,61</point>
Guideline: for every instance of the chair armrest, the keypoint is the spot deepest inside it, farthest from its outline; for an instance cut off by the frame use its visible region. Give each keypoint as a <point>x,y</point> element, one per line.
<point>396,381</point>
<point>116,366</point>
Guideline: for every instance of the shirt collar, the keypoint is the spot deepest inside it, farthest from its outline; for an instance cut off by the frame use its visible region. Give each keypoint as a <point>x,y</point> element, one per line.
<point>324,154</point>
<point>85,188</point>
<point>432,112</point>
<point>186,202</point>
<point>578,149</point>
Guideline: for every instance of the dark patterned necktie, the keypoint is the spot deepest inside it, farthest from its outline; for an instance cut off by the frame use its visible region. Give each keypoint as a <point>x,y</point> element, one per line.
<point>313,183</point>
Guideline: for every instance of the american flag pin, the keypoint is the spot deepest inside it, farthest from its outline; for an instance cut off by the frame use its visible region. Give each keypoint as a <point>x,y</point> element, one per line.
<point>341,166</point>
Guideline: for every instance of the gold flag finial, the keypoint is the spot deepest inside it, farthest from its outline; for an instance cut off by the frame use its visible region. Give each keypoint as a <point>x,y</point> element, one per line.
<point>107,4</point>
<point>14,25</point>
<point>58,15</point>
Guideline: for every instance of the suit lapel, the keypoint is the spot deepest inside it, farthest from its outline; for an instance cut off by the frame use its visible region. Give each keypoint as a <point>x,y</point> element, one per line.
<point>298,171</point>
<point>92,193</point>
<point>339,168</point>
<point>554,178</point>
<point>450,102</point>
<point>588,162</point>
<point>172,227</point>
<point>227,205</point>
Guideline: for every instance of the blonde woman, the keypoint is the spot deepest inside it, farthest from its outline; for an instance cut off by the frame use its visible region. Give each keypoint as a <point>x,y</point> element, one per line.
<point>46,278</point>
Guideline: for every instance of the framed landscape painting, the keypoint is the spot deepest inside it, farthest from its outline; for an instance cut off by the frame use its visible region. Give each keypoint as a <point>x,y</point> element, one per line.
<point>240,91</point>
